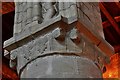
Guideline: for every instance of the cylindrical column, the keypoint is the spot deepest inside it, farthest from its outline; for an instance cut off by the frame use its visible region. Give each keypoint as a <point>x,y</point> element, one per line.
<point>61,66</point>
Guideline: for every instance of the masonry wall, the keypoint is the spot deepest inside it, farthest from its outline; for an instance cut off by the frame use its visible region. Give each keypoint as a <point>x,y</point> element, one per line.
<point>53,47</point>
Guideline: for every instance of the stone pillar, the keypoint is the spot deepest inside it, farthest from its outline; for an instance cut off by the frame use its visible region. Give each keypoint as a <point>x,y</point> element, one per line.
<point>55,47</point>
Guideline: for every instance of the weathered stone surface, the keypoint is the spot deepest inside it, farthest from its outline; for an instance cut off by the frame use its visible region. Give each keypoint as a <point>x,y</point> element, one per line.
<point>36,11</point>
<point>74,36</point>
<point>69,67</point>
<point>35,27</point>
<point>68,11</point>
<point>47,44</point>
<point>23,34</point>
<point>90,16</point>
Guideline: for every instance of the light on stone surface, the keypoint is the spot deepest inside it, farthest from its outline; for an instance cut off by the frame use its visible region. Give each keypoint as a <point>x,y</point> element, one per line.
<point>54,48</point>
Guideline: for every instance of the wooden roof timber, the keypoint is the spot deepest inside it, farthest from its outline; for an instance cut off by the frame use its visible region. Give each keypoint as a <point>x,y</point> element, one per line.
<point>118,4</point>
<point>8,73</point>
<point>112,38</point>
<point>110,19</point>
<point>7,7</point>
<point>117,48</point>
<point>107,23</point>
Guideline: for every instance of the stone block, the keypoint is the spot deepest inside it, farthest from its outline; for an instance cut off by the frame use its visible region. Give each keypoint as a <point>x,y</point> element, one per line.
<point>74,36</point>
<point>74,49</point>
<point>24,16</point>
<point>23,34</point>
<point>29,5</point>
<point>24,7</point>
<point>18,28</point>
<point>10,44</point>
<point>106,48</point>
<point>36,12</point>
<point>20,8</point>
<point>71,10</point>
<point>57,45</point>
<point>29,15</point>
<point>91,19</point>
<point>13,54</point>
<point>35,26</point>
<point>21,61</point>
<point>19,20</point>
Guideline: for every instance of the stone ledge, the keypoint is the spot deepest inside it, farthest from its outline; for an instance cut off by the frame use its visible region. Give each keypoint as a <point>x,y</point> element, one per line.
<point>36,28</point>
<point>10,44</point>
<point>99,42</point>
<point>70,20</point>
